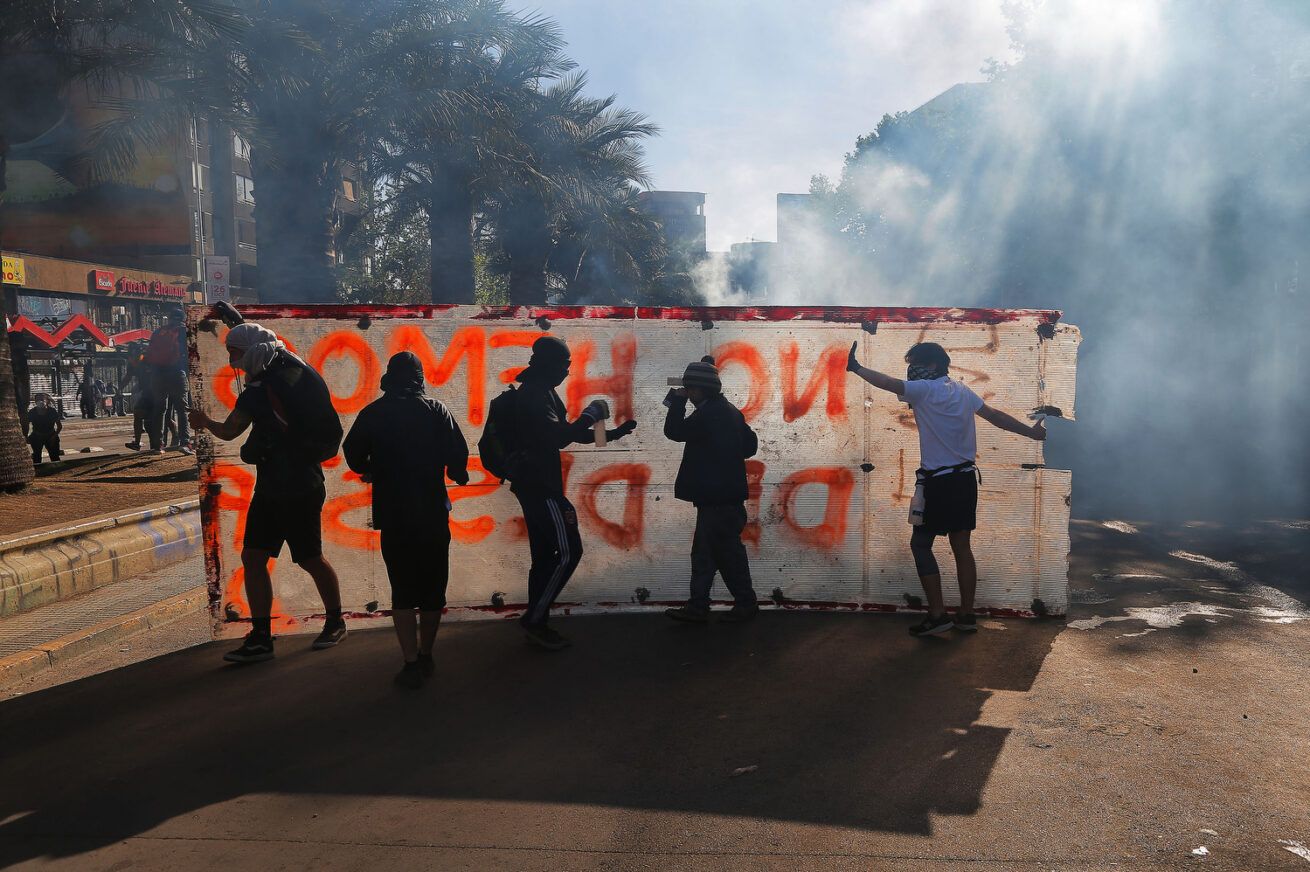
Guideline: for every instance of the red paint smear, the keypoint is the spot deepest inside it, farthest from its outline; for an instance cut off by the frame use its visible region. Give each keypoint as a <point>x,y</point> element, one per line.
<point>831,368</point>
<point>831,532</point>
<point>627,533</point>
<point>341,343</point>
<point>617,385</point>
<point>831,314</point>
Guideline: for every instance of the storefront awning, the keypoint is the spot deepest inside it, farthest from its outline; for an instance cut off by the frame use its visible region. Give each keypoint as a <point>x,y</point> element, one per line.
<point>50,340</point>
<point>130,336</point>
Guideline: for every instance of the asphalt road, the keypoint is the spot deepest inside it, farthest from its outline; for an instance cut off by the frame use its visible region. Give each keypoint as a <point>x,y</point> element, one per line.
<point>1164,726</point>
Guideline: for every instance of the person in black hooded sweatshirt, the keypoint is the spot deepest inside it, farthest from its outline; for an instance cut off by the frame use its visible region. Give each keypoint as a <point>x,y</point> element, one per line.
<point>537,481</point>
<point>406,444</point>
<point>717,440</point>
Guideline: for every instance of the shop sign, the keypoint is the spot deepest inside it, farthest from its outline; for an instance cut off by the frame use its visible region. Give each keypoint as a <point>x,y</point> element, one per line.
<point>155,290</point>
<point>104,279</point>
<point>13,271</point>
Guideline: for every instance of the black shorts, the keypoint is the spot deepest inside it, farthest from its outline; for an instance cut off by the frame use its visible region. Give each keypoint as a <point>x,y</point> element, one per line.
<point>296,520</point>
<point>950,502</point>
<point>418,565</point>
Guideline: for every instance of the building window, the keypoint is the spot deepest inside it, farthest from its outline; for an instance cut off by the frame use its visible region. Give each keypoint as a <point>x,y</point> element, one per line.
<point>245,189</point>
<point>348,188</point>
<point>240,148</point>
<point>246,232</point>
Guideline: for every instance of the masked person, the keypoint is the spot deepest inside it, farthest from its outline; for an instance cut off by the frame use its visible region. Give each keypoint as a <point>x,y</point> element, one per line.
<point>542,429</point>
<point>45,426</point>
<point>712,476</point>
<point>406,444</point>
<point>293,430</point>
<point>943,413</point>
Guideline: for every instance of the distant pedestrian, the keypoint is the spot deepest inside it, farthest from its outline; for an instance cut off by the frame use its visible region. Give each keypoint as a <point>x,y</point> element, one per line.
<point>166,355</point>
<point>87,392</point>
<point>943,414</point>
<point>142,405</point>
<point>405,444</point>
<point>541,429</point>
<point>45,424</point>
<point>295,429</point>
<point>712,476</point>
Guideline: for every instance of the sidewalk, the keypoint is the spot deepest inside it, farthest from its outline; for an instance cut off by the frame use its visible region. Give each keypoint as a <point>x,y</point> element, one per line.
<point>93,624</point>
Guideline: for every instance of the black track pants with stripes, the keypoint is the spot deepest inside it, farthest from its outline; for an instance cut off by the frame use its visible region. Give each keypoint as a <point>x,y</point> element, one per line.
<point>556,549</point>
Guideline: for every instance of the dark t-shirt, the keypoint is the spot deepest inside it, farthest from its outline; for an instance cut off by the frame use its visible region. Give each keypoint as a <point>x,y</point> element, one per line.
<point>283,469</point>
<point>44,421</point>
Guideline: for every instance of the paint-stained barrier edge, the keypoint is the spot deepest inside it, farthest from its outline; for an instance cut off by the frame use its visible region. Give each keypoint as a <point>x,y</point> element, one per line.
<point>699,314</point>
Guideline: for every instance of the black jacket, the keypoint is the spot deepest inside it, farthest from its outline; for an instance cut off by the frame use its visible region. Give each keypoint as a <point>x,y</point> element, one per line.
<point>407,444</point>
<point>542,430</point>
<point>713,469</point>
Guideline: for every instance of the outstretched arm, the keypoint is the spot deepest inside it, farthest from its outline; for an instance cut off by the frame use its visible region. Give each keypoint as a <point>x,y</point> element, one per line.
<point>236,424</point>
<point>1007,422</point>
<point>872,376</point>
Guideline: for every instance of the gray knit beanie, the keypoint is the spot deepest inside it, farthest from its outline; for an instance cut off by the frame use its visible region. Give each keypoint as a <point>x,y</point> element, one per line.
<point>703,374</point>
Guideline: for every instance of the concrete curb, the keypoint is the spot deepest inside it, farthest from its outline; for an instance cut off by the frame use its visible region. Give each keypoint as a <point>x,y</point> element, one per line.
<point>35,660</point>
<point>58,562</point>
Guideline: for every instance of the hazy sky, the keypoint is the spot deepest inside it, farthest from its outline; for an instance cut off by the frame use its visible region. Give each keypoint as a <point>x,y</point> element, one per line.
<point>752,98</point>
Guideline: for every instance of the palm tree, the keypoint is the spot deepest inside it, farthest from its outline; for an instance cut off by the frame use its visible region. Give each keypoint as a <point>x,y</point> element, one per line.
<point>440,153</point>
<point>581,162</point>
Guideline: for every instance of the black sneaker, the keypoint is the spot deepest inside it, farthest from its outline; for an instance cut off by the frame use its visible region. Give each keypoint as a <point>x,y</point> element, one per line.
<point>739,614</point>
<point>333,632</point>
<point>255,649</point>
<point>966,623</point>
<point>426,665</point>
<point>545,637</point>
<point>931,626</point>
<point>687,614</point>
<point>135,446</point>
<point>410,676</point>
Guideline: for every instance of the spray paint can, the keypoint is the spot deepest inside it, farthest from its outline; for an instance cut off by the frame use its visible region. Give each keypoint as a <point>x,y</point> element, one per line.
<point>599,429</point>
<point>917,503</point>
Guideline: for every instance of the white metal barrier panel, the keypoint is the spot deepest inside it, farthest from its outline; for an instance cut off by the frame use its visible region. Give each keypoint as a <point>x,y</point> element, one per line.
<point>830,485</point>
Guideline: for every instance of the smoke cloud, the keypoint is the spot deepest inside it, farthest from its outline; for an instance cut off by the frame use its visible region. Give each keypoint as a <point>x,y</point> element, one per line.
<point>1141,167</point>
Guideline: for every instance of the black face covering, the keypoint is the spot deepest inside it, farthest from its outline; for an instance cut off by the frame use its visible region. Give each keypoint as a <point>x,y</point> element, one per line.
<point>915,372</point>
<point>404,375</point>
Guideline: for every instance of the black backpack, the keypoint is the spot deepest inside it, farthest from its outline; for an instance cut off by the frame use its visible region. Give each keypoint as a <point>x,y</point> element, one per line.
<point>498,447</point>
<point>303,408</point>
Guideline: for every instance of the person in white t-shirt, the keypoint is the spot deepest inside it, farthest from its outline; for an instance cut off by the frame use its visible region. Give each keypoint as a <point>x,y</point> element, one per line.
<point>944,412</point>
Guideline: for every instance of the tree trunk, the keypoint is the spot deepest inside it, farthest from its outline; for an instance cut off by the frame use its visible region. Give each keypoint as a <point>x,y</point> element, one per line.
<point>450,225</point>
<point>15,458</point>
<point>525,238</point>
<point>293,224</point>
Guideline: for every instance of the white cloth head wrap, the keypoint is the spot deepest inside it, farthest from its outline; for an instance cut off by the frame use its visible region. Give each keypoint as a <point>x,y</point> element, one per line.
<point>260,345</point>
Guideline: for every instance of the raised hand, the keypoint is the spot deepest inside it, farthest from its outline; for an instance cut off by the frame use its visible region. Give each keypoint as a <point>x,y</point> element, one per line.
<point>852,365</point>
<point>623,430</point>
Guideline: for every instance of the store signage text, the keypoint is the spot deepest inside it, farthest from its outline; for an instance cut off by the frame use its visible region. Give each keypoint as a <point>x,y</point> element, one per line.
<point>131,288</point>
<point>104,279</point>
<point>13,271</point>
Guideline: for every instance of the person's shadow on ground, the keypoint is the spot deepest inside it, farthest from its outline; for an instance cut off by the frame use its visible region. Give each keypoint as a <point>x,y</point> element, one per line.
<point>850,722</point>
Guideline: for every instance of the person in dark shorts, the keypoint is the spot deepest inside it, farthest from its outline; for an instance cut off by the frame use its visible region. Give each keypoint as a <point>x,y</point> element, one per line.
<point>943,413</point>
<point>712,476</point>
<point>45,427</point>
<point>406,444</point>
<point>542,429</point>
<point>289,410</point>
